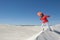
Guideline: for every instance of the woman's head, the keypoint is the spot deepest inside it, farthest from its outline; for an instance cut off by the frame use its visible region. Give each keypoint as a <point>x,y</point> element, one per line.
<point>40,14</point>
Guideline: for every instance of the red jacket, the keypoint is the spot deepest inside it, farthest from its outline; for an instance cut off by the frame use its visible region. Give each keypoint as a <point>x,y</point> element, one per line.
<point>44,18</point>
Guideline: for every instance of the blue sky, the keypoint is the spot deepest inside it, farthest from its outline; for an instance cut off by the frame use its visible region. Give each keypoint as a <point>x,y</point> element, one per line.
<point>22,12</point>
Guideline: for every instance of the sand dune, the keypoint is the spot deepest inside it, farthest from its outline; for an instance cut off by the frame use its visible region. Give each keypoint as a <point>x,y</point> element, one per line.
<point>13,32</point>
<point>50,35</point>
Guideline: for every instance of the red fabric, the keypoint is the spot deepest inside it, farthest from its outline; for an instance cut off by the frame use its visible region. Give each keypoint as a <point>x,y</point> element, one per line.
<point>44,19</point>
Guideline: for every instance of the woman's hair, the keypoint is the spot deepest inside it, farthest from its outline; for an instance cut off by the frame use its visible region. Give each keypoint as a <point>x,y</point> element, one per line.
<point>42,15</point>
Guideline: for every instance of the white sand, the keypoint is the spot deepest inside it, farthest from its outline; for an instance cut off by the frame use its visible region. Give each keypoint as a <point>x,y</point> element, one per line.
<point>50,35</point>
<point>11,32</point>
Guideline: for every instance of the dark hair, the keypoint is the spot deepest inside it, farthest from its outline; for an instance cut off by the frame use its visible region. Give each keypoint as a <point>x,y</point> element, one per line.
<point>42,15</point>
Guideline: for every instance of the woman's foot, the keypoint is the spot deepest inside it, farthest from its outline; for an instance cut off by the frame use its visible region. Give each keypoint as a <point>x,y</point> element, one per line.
<point>50,29</point>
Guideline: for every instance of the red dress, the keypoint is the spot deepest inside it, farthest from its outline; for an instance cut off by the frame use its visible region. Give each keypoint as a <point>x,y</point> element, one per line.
<point>44,19</point>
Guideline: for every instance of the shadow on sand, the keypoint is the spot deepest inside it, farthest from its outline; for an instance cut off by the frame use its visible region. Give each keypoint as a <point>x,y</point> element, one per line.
<point>56,31</point>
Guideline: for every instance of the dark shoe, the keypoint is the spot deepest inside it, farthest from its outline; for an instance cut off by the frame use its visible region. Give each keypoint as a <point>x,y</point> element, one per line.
<point>50,29</point>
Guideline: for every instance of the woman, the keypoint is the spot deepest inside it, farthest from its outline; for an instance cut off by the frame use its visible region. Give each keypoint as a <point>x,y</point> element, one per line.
<point>44,20</point>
